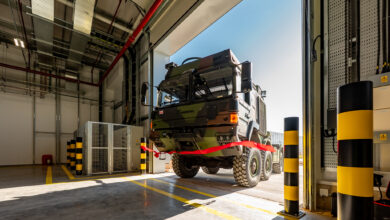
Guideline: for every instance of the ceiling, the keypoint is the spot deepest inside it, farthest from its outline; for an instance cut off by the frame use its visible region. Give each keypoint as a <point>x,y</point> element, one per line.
<point>55,33</point>
<point>67,34</point>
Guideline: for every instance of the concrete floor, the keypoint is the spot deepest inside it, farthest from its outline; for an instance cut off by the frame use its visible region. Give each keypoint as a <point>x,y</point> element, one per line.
<point>31,192</point>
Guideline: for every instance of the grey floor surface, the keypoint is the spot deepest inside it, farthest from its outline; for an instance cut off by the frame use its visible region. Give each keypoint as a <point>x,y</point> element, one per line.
<point>24,194</point>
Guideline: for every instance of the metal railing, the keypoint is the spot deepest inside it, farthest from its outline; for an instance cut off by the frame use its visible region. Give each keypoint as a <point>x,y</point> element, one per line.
<point>110,148</point>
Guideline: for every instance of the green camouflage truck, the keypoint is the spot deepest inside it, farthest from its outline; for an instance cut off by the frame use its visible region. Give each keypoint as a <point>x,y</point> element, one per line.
<point>209,102</point>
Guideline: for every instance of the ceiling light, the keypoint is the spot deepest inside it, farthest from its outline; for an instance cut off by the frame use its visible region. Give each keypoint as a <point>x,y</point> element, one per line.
<point>16,42</point>
<point>70,76</point>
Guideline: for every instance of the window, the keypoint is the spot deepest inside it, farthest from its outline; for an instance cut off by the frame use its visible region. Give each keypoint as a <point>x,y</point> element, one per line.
<point>213,84</point>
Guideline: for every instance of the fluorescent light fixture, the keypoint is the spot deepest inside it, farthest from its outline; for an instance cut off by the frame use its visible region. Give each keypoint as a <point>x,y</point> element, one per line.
<point>16,42</point>
<point>70,76</point>
<point>83,14</point>
<point>21,43</point>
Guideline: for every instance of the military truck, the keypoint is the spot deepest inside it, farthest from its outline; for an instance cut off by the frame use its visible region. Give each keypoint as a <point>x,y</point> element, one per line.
<point>209,102</point>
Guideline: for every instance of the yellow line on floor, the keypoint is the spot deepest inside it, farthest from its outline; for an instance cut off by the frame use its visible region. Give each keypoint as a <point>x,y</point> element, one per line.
<point>102,176</point>
<point>214,196</point>
<point>71,177</point>
<point>67,172</point>
<point>184,200</point>
<point>49,178</point>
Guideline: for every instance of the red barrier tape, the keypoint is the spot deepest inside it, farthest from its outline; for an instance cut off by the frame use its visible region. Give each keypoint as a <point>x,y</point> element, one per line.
<point>250,144</point>
<point>381,204</point>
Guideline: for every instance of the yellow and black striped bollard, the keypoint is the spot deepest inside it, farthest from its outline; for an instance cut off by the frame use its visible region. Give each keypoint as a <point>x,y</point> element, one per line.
<point>291,168</point>
<point>73,154</point>
<point>79,156</point>
<point>355,171</point>
<point>143,156</point>
<point>68,153</point>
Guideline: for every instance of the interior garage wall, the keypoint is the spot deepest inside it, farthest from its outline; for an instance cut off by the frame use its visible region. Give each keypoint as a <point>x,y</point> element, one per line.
<point>337,57</point>
<point>16,126</point>
<point>17,112</point>
<point>16,129</point>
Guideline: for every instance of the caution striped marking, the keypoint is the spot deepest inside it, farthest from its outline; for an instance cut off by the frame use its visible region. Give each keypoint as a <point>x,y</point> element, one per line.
<point>183,200</point>
<point>214,196</point>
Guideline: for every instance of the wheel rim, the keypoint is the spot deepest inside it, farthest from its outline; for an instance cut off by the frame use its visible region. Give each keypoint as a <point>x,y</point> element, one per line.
<point>281,163</point>
<point>268,164</point>
<point>254,166</point>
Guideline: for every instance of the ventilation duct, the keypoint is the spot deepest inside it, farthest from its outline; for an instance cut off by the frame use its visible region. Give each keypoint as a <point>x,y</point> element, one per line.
<point>82,23</point>
<point>83,14</point>
<point>43,28</point>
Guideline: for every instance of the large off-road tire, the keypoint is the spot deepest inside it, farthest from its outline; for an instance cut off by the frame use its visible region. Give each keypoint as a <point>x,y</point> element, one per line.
<point>210,170</point>
<point>247,167</point>
<point>278,167</point>
<point>182,168</point>
<point>267,165</point>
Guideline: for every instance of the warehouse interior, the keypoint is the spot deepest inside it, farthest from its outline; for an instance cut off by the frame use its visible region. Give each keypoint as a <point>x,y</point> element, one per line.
<point>74,72</point>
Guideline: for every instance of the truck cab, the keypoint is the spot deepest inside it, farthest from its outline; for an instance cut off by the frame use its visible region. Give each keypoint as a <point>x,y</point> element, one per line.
<point>209,102</point>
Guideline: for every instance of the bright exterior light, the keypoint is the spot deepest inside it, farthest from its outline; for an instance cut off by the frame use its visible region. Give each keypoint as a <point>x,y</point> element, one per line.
<point>16,42</point>
<point>22,44</point>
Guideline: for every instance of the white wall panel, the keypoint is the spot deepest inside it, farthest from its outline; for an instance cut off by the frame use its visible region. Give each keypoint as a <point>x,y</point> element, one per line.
<point>45,122</point>
<point>45,113</point>
<point>68,114</point>
<point>44,144</point>
<point>64,139</point>
<point>15,129</point>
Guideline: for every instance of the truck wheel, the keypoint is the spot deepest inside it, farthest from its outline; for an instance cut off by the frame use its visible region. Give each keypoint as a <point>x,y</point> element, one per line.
<point>182,168</point>
<point>247,167</point>
<point>210,170</point>
<point>278,167</point>
<point>267,165</point>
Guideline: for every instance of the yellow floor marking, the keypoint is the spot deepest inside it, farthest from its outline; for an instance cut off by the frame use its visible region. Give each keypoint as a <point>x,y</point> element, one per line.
<point>184,200</point>
<point>71,177</point>
<point>49,178</point>
<point>214,196</point>
<point>67,172</point>
<point>102,176</point>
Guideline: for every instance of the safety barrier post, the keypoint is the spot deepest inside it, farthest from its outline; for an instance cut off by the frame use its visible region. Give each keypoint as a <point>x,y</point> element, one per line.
<point>291,168</point>
<point>79,156</point>
<point>68,153</point>
<point>355,173</point>
<point>143,156</point>
<point>73,154</point>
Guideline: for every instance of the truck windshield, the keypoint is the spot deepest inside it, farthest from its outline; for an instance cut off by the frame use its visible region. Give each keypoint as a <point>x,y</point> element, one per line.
<point>173,91</point>
<point>213,84</point>
<point>217,83</point>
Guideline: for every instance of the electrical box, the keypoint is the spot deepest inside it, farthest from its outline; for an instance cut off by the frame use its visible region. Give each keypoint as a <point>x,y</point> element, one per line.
<point>381,106</point>
<point>332,119</point>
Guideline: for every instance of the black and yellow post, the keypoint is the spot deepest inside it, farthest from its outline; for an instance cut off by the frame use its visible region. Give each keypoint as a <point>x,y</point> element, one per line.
<point>291,168</point>
<point>68,153</point>
<point>73,154</point>
<point>355,173</point>
<point>79,156</point>
<point>143,156</point>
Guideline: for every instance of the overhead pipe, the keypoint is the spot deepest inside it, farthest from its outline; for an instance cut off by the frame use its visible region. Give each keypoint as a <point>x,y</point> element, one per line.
<point>131,39</point>
<point>47,74</point>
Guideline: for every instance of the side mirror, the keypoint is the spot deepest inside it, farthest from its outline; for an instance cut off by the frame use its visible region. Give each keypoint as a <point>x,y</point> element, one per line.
<point>144,90</point>
<point>246,77</point>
